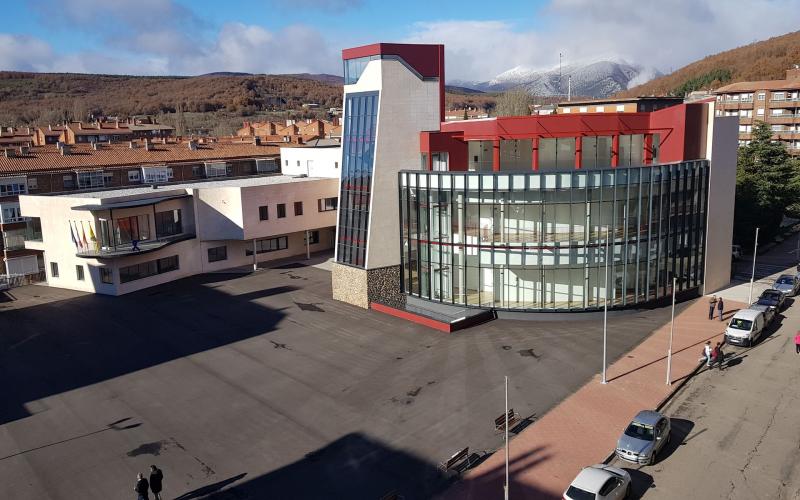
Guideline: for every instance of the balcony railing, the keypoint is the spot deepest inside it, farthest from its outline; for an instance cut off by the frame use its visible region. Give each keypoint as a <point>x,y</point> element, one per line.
<point>13,241</point>
<point>131,247</point>
<point>33,229</point>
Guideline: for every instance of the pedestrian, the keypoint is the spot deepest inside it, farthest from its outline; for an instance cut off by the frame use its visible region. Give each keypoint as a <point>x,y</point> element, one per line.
<point>156,476</point>
<point>712,303</point>
<point>720,307</point>
<point>797,342</point>
<point>717,356</point>
<point>141,488</point>
<point>707,353</point>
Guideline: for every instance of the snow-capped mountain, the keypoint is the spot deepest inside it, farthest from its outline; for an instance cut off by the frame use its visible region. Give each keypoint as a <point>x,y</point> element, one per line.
<point>597,79</point>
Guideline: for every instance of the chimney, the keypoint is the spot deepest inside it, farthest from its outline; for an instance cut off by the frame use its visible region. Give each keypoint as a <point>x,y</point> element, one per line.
<point>80,125</point>
<point>116,123</point>
<point>147,145</point>
<point>95,146</point>
<point>132,145</point>
<point>192,145</point>
<point>29,130</point>
<point>49,127</point>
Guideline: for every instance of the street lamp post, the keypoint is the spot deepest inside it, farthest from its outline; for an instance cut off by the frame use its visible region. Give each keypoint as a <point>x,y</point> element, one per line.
<point>753,274</point>
<point>605,309</point>
<point>505,488</point>
<point>671,331</point>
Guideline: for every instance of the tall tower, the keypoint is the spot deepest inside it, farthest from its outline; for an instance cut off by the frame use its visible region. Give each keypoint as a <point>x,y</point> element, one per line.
<point>392,92</point>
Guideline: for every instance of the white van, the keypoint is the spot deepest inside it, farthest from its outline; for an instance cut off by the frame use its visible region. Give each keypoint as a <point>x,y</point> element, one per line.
<point>745,327</point>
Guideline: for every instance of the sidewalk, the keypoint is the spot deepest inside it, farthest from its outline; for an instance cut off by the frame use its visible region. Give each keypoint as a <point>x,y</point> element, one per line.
<point>584,428</point>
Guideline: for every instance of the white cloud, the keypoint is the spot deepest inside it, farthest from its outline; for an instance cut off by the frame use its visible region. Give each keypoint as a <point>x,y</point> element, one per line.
<point>24,53</point>
<point>665,34</point>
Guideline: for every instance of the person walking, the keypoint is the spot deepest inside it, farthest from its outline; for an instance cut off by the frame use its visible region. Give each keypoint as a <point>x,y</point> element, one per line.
<point>720,307</point>
<point>141,488</point>
<point>797,342</point>
<point>156,477</point>
<point>707,353</point>
<point>712,304</point>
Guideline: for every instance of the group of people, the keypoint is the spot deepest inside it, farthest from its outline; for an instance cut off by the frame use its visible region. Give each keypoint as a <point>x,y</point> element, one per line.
<point>715,304</point>
<point>714,356</point>
<point>144,487</point>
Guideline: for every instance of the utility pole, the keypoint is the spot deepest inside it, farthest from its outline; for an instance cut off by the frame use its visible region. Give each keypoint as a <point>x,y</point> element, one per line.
<point>671,331</point>
<point>505,488</point>
<point>569,88</point>
<point>753,274</point>
<point>605,309</point>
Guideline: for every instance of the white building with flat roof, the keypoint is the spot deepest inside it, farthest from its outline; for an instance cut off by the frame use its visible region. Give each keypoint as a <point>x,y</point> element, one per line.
<point>119,241</point>
<point>319,158</point>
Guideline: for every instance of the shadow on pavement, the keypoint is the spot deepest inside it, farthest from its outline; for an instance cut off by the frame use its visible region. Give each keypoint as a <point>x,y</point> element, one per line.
<point>680,429</point>
<point>640,483</point>
<point>51,348</point>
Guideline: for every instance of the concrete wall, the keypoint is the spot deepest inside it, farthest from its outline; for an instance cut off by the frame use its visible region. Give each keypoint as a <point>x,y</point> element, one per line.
<point>723,150</point>
<point>219,213</point>
<point>314,162</point>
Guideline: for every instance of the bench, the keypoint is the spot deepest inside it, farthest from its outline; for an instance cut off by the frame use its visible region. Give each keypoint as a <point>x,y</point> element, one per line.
<point>458,462</point>
<point>500,422</point>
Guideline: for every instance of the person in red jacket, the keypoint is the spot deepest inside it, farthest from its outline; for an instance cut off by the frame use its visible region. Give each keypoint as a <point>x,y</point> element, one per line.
<point>797,343</point>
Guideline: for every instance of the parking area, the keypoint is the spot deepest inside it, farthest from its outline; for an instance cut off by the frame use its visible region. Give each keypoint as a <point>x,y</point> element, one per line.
<point>238,385</point>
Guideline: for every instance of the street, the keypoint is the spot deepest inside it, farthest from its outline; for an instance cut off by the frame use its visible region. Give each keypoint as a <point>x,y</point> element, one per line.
<point>735,432</point>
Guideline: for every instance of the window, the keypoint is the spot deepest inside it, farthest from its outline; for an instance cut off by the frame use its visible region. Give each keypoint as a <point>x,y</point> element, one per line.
<point>263,213</point>
<point>609,486</point>
<point>133,176</point>
<point>132,228</point>
<point>599,109</point>
<point>54,269</point>
<point>777,128</point>
<point>336,164</point>
<point>761,96</point>
<point>13,188</point>
<point>567,110</point>
<point>266,165</point>
<point>620,108</point>
<point>10,213</point>
<point>69,182</point>
<point>168,223</point>
<point>314,238</point>
<point>269,245</point>
<point>583,109</point>
<point>106,275</point>
<point>298,208</point>
<point>327,204</point>
<point>281,210</point>
<point>87,180</point>
<point>33,183</point>
<point>285,163</point>
<point>153,175</point>
<point>149,268</point>
<point>298,163</point>
<point>779,96</point>
<point>197,171</point>
<point>216,254</point>
<point>216,169</point>
<point>760,112</point>
<point>79,272</point>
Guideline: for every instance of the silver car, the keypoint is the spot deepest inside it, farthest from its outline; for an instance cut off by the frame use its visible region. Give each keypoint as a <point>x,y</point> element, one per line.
<point>599,482</point>
<point>787,284</point>
<point>644,437</point>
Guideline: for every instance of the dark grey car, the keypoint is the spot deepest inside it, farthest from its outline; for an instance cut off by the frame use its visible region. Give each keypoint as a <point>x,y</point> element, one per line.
<point>644,438</point>
<point>787,284</point>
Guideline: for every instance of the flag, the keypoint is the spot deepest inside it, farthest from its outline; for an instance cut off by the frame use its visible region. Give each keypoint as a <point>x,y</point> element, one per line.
<point>83,237</point>
<point>92,237</point>
<point>72,235</point>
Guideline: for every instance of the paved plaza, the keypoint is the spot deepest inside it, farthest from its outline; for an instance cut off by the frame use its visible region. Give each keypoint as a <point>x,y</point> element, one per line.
<point>259,385</point>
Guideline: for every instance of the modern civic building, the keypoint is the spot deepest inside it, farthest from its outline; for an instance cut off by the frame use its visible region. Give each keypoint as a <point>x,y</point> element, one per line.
<point>537,213</point>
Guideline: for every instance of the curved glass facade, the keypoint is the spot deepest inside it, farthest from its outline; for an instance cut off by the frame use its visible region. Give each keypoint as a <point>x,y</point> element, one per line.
<point>555,240</point>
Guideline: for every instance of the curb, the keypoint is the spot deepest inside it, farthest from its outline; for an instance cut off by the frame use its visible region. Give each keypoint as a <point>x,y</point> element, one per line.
<point>666,400</point>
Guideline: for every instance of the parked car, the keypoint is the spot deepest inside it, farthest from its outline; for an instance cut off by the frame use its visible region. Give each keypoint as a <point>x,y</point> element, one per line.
<point>746,326</point>
<point>736,252</point>
<point>772,298</point>
<point>644,437</point>
<point>787,284</point>
<point>599,482</point>
<point>768,312</point>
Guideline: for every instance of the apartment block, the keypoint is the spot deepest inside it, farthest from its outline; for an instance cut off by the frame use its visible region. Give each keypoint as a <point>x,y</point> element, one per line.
<point>642,104</point>
<point>776,102</point>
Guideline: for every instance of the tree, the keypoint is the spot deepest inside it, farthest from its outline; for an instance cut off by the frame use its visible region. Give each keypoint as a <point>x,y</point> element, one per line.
<point>514,102</point>
<point>180,121</point>
<point>767,186</point>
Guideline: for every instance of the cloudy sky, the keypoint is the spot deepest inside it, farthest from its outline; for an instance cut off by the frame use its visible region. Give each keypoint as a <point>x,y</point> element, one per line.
<point>482,39</point>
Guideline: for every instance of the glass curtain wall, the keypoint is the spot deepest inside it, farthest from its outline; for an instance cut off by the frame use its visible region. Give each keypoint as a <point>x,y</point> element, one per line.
<point>360,116</point>
<point>553,241</point>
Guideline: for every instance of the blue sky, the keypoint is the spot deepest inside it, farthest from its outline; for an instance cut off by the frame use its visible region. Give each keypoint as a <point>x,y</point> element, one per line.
<point>482,39</point>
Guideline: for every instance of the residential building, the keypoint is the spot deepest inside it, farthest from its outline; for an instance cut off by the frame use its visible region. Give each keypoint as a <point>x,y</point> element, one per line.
<point>318,158</point>
<point>11,137</point>
<point>775,102</point>
<point>291,131</point>
<point>80,167</point>
<point>561,212</point>
<point>618,105</point>
<point>116,241</point>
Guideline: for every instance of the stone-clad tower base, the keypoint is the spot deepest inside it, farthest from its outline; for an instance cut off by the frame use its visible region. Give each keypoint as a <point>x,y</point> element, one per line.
<point>359,287</point>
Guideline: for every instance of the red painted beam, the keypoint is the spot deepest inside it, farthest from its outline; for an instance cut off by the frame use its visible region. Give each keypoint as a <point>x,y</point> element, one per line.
<point>414,318</point>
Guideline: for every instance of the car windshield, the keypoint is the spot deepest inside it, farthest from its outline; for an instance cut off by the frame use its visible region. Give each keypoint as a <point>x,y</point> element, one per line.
<point>741,324</point>
<point>786,280</point>
<point>640,431</point>
<point>579,494</point>
<point>770,296</point>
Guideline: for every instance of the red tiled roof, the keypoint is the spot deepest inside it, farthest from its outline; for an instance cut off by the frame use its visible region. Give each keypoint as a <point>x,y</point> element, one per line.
<point>761,85</point>
<point>49,159</point>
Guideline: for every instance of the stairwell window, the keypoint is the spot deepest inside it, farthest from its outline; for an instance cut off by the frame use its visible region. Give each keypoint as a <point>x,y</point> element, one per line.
<point>79,272</point>
<point>281,210</point>
<point>54,269</point>
<point>298,208</point>
<point>263,213</point>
